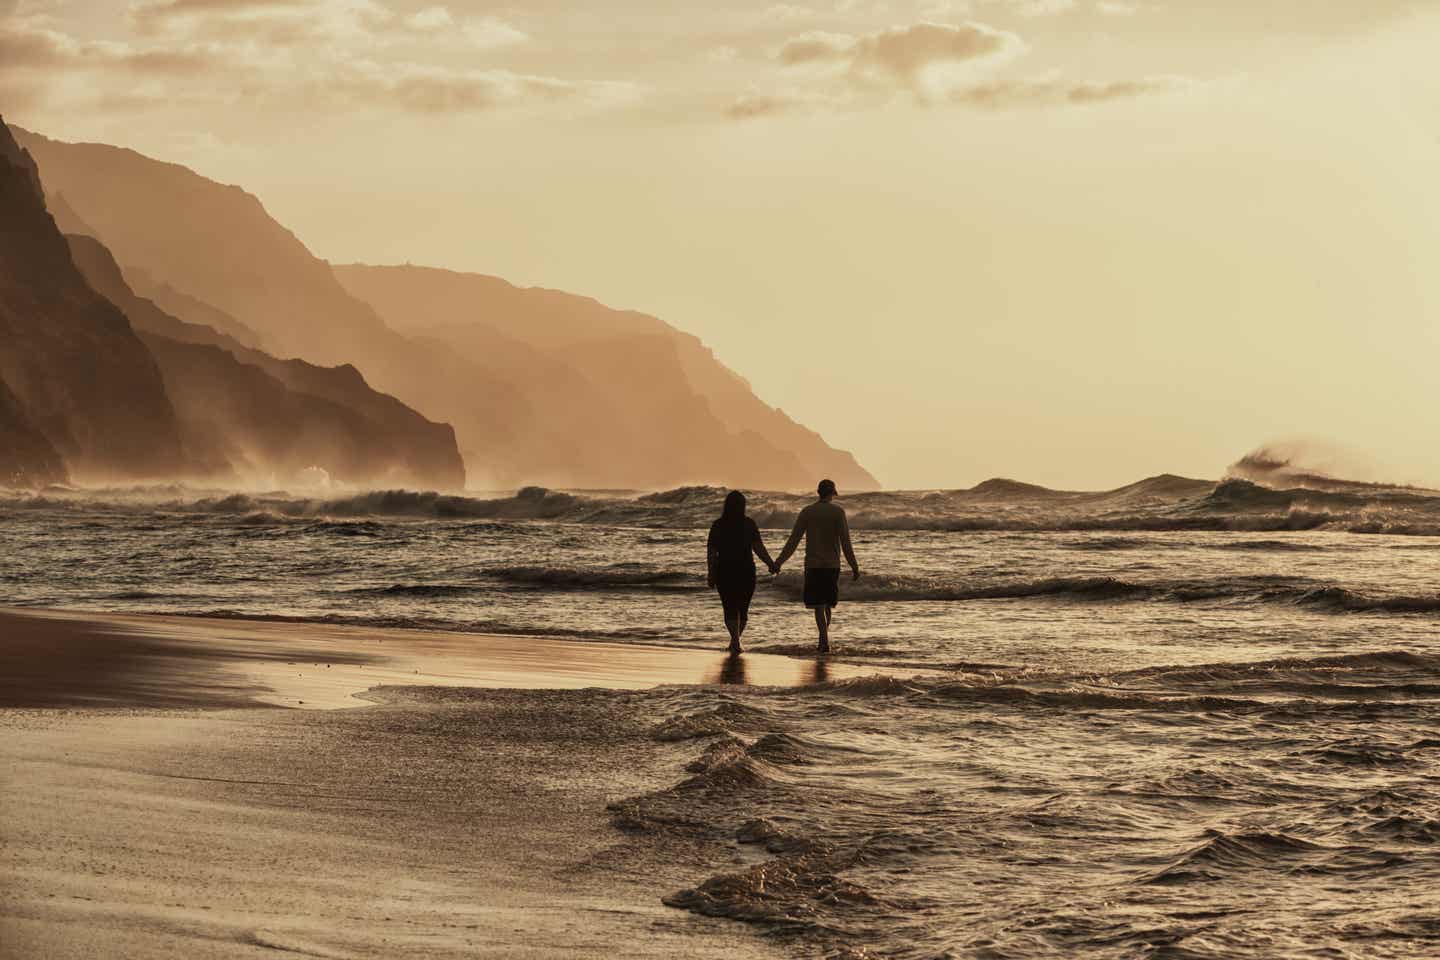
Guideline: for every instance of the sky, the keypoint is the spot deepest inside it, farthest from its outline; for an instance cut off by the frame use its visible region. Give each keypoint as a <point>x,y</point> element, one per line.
<point>1073,242</point>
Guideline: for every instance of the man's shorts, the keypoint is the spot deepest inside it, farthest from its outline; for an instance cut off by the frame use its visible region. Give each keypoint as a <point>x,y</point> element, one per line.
<point>822,587</point>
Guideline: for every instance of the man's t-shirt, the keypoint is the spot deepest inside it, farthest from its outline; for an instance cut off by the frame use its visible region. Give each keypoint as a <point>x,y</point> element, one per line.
<point>826,533</point>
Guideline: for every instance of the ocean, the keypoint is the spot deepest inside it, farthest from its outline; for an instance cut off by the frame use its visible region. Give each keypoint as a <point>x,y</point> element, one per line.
<point>1182,719</point>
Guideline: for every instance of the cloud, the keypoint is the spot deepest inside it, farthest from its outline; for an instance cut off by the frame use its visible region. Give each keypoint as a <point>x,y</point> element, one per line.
<point>155,11</point>
<point>932,63</point>
<point>427,89</point>
<point>151,17</point>
<point>431,18</point>
<point>490,32</point>
<point>270,22</point>
<point>357,25</point>
<point>171,8</point>
<point>755,105</point>
<point>758,105</point>
<point>1122,89</point>
<point>816,45</point>
<point>901,55</point>
<point>286,55</point>
<point>997,95</point>
<point>22,47</point>
<point>1055,92</point>
<point>25,46</point>
<point>924,60</point>
<point>904,52</point>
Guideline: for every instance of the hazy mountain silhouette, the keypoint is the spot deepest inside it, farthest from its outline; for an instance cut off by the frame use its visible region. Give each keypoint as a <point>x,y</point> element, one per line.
<point>552,389</point>
<point>639,359</point>
<point>247,416</point>
<point>75,372</point>
<point>182,306</point>
<point>213,242</point>
<point>66,219</point>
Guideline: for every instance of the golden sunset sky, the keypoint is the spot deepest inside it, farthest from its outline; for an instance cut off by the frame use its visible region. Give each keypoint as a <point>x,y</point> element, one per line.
<point>1074,242</point>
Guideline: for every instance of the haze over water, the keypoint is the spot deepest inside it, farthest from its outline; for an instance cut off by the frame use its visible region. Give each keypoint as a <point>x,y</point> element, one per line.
<point>1210,736</point>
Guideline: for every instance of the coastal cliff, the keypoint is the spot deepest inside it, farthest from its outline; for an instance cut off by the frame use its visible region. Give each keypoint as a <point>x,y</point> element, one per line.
<point>76,373</point>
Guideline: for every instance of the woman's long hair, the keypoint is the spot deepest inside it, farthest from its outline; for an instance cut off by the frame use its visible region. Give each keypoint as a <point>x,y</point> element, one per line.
<point>734,510</point>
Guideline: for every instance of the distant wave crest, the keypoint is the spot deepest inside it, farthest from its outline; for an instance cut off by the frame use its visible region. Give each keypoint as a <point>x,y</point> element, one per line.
<point>1159,504</point>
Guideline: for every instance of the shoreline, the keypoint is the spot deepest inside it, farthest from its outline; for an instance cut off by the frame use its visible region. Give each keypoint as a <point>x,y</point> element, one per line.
<point>52,657</point>
<point>160,799</point>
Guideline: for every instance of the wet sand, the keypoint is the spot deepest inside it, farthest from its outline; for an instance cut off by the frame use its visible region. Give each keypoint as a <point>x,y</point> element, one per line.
<point>158,800</point>
<point>55,658</point>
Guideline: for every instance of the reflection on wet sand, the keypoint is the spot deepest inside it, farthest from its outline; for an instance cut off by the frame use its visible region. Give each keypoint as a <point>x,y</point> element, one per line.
<point>733,671</point>
<point>820,670</point>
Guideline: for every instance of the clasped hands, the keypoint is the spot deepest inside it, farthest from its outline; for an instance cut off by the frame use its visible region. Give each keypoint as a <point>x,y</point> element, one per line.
<point>775,571</point>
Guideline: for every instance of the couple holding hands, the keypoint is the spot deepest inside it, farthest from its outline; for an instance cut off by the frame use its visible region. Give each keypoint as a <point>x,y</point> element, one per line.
<point>735,542</point>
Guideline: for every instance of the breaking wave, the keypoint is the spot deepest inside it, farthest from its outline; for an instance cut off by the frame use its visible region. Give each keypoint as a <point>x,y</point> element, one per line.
<point>1250,499</point>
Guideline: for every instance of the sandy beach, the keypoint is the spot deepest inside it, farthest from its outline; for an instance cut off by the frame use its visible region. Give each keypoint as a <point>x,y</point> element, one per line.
<point>161,800</point>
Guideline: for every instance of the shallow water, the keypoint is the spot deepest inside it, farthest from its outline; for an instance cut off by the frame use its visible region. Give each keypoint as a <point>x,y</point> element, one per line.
<point>1276,810</point>
<point>1174,743</point>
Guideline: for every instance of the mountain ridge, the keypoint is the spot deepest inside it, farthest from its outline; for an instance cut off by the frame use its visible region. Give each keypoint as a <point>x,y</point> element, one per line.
<point>218,245</point>
<point>438,301</point>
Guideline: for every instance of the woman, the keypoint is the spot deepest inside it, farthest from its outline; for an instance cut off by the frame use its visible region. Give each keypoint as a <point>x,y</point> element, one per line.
<point>734,539</point>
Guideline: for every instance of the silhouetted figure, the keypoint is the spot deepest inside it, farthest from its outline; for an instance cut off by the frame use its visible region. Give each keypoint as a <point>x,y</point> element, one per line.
<point>827,533</point>
<point>734,543</point>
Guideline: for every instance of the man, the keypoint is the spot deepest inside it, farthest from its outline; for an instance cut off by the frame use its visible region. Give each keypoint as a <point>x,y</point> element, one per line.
<point>826,533</point>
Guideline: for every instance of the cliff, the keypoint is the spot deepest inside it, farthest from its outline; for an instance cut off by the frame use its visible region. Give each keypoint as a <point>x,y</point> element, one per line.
<point>27,458</point>
<point>247,416</point>
<point>212,241</point>
<point>76,373</point>
<point>542,387</point>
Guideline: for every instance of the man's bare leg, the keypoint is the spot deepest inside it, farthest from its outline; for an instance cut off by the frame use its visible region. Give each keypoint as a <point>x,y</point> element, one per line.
<point>822,623</point>
<point>736,626</point>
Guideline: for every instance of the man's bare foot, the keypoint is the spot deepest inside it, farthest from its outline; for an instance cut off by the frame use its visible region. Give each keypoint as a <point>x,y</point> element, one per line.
<point>735,650</point>
<point>824,646</point>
